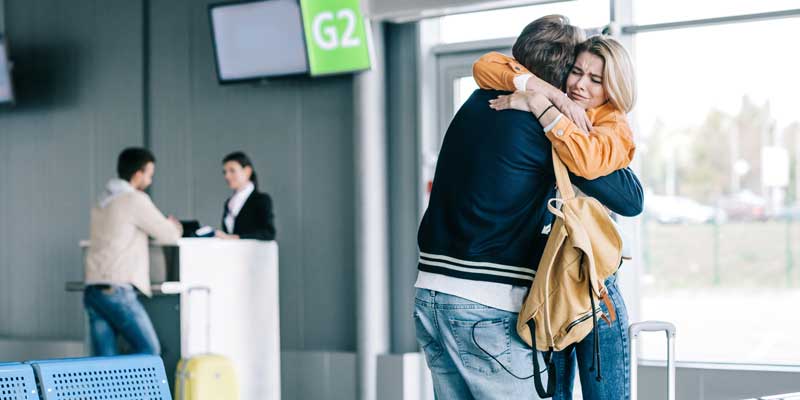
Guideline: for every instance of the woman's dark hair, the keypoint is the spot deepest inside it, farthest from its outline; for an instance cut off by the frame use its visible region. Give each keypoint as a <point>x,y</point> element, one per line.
<point>131,160</point>
<point>243,160</point>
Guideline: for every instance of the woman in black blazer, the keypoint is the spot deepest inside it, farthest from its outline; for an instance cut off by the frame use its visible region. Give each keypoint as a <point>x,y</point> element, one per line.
<point>248,213</point>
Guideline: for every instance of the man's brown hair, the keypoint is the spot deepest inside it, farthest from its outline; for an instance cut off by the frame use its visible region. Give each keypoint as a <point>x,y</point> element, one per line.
<point>546,47</point>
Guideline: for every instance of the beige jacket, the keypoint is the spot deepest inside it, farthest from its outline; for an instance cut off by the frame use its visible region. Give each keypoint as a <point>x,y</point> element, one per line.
<point>118,249</point>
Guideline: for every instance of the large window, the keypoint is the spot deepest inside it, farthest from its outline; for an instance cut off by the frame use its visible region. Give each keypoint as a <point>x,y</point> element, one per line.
<point>463,88</point>
<point>718,133</point>
<point>654,12</point>
<point>718,145</point>
<point>509,22</point>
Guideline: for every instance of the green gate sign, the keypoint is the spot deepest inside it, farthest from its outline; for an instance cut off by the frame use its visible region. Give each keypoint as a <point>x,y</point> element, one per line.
<point>335,36</point>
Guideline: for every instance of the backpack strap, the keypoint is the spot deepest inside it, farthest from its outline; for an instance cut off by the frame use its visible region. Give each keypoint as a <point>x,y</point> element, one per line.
<point>562,177</point>
<point>567,193</point>
<point>537,373</point>
<point>548,328</point>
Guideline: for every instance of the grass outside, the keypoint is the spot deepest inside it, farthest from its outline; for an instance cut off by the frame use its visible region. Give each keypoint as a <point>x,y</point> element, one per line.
<point>731,255</point>
<point>731,290</point>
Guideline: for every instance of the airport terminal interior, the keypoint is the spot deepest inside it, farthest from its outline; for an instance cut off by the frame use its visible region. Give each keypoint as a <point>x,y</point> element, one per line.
<point>273,199</point>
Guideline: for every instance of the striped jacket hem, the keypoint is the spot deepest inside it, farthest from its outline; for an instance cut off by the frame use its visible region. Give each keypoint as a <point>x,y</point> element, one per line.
<point>476,270</point>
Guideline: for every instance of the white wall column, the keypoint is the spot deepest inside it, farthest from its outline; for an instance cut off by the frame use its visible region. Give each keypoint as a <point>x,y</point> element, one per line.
<point>372,255</point>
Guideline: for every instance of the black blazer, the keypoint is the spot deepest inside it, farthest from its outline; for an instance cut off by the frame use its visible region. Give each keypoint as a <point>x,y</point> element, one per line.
<point>255,219</point>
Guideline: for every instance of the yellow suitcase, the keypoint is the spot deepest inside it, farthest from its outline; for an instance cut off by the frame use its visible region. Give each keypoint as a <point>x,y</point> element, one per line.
<point>206,376</point>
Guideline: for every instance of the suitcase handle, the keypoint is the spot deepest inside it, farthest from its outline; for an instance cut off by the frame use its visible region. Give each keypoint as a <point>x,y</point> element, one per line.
<point>652,326</point>
<point>207,290</point>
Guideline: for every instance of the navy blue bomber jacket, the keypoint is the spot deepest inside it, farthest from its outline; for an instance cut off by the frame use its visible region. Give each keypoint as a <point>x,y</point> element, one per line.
<point>488,205</point>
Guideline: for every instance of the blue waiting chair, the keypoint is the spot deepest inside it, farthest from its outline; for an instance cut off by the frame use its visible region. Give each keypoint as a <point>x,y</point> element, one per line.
<point>99,378</point>
<point>17,382</point>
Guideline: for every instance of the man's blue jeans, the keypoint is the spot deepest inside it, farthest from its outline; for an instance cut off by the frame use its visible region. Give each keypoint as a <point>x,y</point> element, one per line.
<point>115,310</point>
<point>448,326</point>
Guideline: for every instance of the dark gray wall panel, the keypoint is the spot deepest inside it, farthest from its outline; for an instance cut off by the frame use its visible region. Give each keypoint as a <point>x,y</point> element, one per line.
<point>170,104</point>
<point>328,215</point>
<point>79,101</point>
<point>298,131</point>
<point>90,83</point>
<point>403,148</point>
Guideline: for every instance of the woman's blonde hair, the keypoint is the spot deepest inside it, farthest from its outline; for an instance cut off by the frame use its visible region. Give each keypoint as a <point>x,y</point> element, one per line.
<point>619,81</point>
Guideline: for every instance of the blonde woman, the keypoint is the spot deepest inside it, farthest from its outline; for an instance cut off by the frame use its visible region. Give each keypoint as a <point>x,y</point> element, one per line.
<point>601,82</point>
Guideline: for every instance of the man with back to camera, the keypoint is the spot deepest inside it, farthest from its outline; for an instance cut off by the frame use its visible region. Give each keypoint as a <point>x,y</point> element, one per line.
<point>486,227</point>
<point>117,263</point>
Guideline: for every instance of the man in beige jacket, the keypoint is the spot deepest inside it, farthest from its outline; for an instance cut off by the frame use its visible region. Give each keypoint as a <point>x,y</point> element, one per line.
<point>117,264</point>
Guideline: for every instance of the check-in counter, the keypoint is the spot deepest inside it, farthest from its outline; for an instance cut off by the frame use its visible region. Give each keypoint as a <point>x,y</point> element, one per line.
<point>242,276</point>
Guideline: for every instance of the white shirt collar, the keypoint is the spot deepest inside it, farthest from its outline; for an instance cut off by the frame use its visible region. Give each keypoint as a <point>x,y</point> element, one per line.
<point>236,203</point>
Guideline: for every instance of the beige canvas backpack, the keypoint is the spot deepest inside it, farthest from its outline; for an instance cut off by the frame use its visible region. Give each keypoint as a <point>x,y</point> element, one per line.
<point>583,250</point>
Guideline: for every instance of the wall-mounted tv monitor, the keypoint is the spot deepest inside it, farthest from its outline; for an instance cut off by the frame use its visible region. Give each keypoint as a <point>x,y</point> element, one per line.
<point>258,39</point>
<point>6,87</point>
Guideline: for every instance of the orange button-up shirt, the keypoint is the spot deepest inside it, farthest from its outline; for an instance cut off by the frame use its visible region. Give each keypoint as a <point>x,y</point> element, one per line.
<point>608,147</point>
